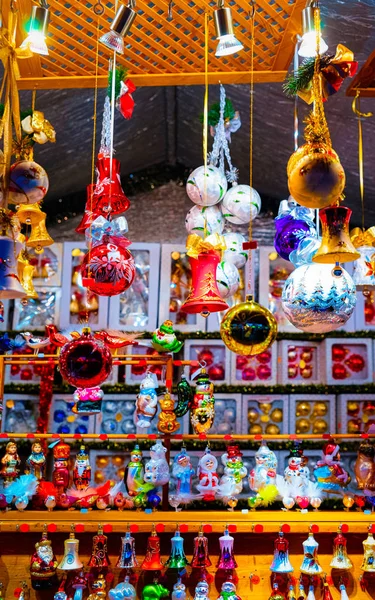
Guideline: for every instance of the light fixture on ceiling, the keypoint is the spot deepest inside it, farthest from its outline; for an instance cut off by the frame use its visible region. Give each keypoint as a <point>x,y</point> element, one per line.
<point>114,39</point>
<point>36,38</point>
<point>307,48</point>
<point>228,43</point>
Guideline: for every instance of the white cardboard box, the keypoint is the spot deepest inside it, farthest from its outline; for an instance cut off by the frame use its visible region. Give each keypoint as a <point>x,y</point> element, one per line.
<point>347,370</point>
<point>300,363</point>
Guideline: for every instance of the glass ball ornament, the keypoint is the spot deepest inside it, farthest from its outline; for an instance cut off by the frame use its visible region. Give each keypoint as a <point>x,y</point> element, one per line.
<point>227,278</point>
<point>200,217</point>
<point>28,183</point>
<point>248,328</point>
<point>318,299</point>
<point>108,268</point>
<point>206,186</point>
<point>241,204</point>
<point>290,232</point>
<point>86,361</point>
<point>234,252</point>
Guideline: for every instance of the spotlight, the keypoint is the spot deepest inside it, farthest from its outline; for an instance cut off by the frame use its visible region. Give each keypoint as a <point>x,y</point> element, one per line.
<point>36,39</point>
<point>307,48</point>
<point>114,39</point>
<point>228,43</point>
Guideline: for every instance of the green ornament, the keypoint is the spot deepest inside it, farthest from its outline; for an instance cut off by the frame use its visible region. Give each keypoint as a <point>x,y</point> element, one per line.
<point>164,339</point>
<point>177,559</point>
<point>154,591</point>
<point>184,397</point>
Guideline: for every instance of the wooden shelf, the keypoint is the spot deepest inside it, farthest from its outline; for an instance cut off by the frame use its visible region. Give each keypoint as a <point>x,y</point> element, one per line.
<point>327,521</point>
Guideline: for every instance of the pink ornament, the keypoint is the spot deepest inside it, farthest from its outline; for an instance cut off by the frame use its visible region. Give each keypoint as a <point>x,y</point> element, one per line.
<point>264,372</point>
<point>302,501</point>
<point>226,558</point>
<point>248,374</point>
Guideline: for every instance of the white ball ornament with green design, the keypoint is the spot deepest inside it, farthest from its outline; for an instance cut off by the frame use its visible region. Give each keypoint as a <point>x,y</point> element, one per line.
<point>198,216</point>
<point>206,186</point>
<point>241,204</point>
<point>234,252</point>
<point>227,279</point>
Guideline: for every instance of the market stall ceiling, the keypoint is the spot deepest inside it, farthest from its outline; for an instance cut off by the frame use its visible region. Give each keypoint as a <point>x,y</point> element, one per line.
<point>160,51</point>
<point>364,82</point>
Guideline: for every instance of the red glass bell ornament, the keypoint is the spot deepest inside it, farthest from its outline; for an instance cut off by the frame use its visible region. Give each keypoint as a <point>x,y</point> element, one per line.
<point>99,554</point>
<point>89,215</point>
<point>201,559</point>
<point>108,268</point>
<point>204,297</point>
<point>86,361</point>
<point>108,196</point>
<point>152,560</point>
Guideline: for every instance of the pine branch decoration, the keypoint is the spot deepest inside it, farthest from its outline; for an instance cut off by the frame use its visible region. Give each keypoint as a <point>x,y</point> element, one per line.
<point>121,74</point>
<point>214,113</point>
<point>300,80</point>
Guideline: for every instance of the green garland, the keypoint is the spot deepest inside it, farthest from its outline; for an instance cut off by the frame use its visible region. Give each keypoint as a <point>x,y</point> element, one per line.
<point>301,79</point>
<point>121,74</point>
<point>214,113</point>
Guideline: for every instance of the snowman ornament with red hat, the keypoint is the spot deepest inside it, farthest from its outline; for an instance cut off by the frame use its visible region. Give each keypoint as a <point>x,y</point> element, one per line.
<point>297,474</point>
<point>330,475</point>
<point>234,472</point>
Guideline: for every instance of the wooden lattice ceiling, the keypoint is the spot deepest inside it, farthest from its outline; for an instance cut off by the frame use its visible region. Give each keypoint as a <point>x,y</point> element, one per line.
<point>364,81</point>
<point>158,51</point>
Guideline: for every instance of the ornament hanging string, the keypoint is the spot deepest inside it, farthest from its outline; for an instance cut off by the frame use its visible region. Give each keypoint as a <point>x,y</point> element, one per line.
<point>295,115</point>
<point>251,126</point>
<point>360,115</point>
<point>205,112</point>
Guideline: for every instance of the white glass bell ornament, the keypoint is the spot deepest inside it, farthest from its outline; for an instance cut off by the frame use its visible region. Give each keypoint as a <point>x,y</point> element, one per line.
<point>200,218</point>
<point>310,564</point>
<point>364,270</point>
<point>227,279</point>
<point>234,251</point>
<point>70,561</point>
<point>318,298</point>
<point>241,204</point>
<point>206,186</point>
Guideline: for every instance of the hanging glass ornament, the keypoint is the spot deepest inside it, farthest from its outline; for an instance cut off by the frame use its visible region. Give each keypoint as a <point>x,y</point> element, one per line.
<point>152,561</point>
<point>146,404</point>
<point>206,186</point>
<point>326,591</point>
<point>28,183</point>
<point>98,588</point>
<point>234,252</point>
<point>264,472</point>
<point>85,362</point>
<point>234,472</point>
<point>331,477</point>
<point>318,299</point>
<point>25,273</point>
<point>226,559</point>
<point>61,594</point>
<point>293,224</point>
<point>336,246</point>
<point>123,590</point>
<point>99,554</point>
<point>108,197</point>
<point>167,421</point>
<point>179,590</point>
<point>275,593</point>
<point>82,470</point>
<point>248,328</point>
<point>60,474</point>
<point>343,592</point>
<point>368,563</point>
<point>340,558</point>
<point>88,401</point>
<point>10,286</point>
<point>127,558</point>
<point>184,397</point>
<point>364,467</point>
<point>177,558</point>
<point>301,592</point>
<point>43,565</point>
<point>228,591</point>
<point>164,339</point>
<point>202,410</point>
<point>202,590</point>
<point>204,220</point>
<point>201,559</point>
<point>241,204</point>
<point>70,561</point>
<point>227,279</point>
<point>79,583</point>
<point>291,593</point>
<point>281,562</point>
<point>311,593</point>
<point>310,564</point>
<point>297,473</point>
<point>182,471</point>
<point>208,477</point>
<point>154,591</point>
<point>157,468</point>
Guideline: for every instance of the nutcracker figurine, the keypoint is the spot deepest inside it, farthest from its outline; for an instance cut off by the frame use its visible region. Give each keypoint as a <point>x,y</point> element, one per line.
<point>281,562</point>
<point>10,463</point>
<point>208,477</point>
<point>36,463</point>
<point>99,555</point>
<point>82,470</point>
<point>202,410</point>
<point>127,558</point>
<point>200,560</point>
<point>226,558</point>
<point>340,558</point>
<point>43,565</point>
<point>368,563</point>
<point>60,475</point>
<point>331,477</point>
<point>134,472</point>
<point>177,559</point>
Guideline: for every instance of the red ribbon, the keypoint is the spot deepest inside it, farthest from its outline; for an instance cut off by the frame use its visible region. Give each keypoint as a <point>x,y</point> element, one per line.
<point>125,102</point>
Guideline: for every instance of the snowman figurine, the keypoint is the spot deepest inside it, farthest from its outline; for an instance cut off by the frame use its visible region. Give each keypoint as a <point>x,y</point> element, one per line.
<point>297,473</point>
<point>146,404</point>
<point>202,590</point>
<point>234,472</point>
<point>228,591</point>
<point>264,472</point>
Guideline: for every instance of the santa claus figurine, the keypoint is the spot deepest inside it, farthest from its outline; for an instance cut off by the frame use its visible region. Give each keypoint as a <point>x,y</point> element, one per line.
<point>330,475</point>
<point>43,565</point>
<point>82,470</point>
<point>208,477</point>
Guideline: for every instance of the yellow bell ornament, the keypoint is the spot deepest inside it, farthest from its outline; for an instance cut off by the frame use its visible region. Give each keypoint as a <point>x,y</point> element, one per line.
<point>39,237</point>
<point>336,246</point>
<point>29,214</point>
<point>368,563</point>
<point>25,273</point>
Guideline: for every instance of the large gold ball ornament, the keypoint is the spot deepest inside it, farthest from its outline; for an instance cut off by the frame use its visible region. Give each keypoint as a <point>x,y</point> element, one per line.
<point>320,426</point>
<point>348,501</point>
<point>303,409</point>
<point>252,415</point>
<point>353,408</point>
<point>121,473</point>
<point>316,178</point>
<point>272,429</point>
<point>265,407</point>
<point>320,409</point>
<point>248,328</point>
<point>302,426</point>
<point>277,415</point>
<point>255,430</point>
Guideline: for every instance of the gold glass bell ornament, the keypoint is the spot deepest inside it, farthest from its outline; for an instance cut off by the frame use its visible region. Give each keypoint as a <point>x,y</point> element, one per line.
<point>368,563</point>
<point>340,558</point>
<point>29,214</point>
<point>39,237</point>
<point>70,561</point>
<point>25,273</point>
<point>336,246</point>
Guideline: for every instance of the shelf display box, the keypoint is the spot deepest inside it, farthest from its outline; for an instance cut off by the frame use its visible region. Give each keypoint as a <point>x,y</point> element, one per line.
<point>20,413</point>
<point>133,374</point>
<point>62,420</point>
<point>255,370</point>
<point>268,414</point>
<point>214,354</point>
<point>349,361</point>
<point>312,413</point>
<point>78,304</point>
<point>117,415</point>
<point>108,465</point>
<point>27,373</point>
<point>228,414</point>
<point>300,363</point>
<point>136,309</point>
<point>365,312</point>
<point>175,281</point>
<point>38,312</point>
<point>356,413</point>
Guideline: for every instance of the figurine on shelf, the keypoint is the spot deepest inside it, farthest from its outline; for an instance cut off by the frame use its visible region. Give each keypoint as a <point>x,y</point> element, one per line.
<point>310,564</point>
<point>79,583</point>
<point>297,473</point>
<point>43,565</point>
<point>10,463</point>
<point>167,422</point>
<point>179,590</point>
<point>134,472</point>
<point>154,591</point>
<point>60,475</point>
<point>234,472</point>
<point>36,463</point>
<point>146,404</point>
<point>99,554</point>
<point>201,559</point>
<point>202,410</point>
<point>208,477</point>
<point>88,401</point>
<point>98,588</point>
<point>281,562</point>
<point>183,472</point>
<point>177,558</point>
<point>330,475</point>
<point>264,472</point>
<point>275,593</point>
<point>365,466</point>
<point>123,591</point>
<point>226,559</point>
<point>157,468</point>
<point>340,558</point>
<point>184,397</point>
<point>164,339</point>
<point>368,563</point>
<point>82,470</point>
<point>202,590</point>
<point>127,558</point>
<point>228,591</point>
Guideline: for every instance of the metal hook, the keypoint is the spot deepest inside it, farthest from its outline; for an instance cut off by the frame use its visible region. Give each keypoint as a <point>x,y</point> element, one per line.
<point>98,8</point>
<point>356,110</point>
<point>170,7</point>
<point>252,9</point>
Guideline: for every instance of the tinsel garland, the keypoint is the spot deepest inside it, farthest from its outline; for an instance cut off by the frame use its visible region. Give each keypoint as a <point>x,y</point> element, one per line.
<point>45,396</point>
<point>121,74</point>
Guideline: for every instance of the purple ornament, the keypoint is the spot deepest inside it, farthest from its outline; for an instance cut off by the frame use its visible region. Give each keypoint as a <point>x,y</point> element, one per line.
<point>289,233</point>
<point>3,502</point>
<point>226,559</point>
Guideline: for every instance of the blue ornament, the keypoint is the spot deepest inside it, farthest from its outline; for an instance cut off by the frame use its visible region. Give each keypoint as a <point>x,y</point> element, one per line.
<point>59,416</point>
<point>153,499</point>
<point>81,429</point>
<point>63,429</point>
